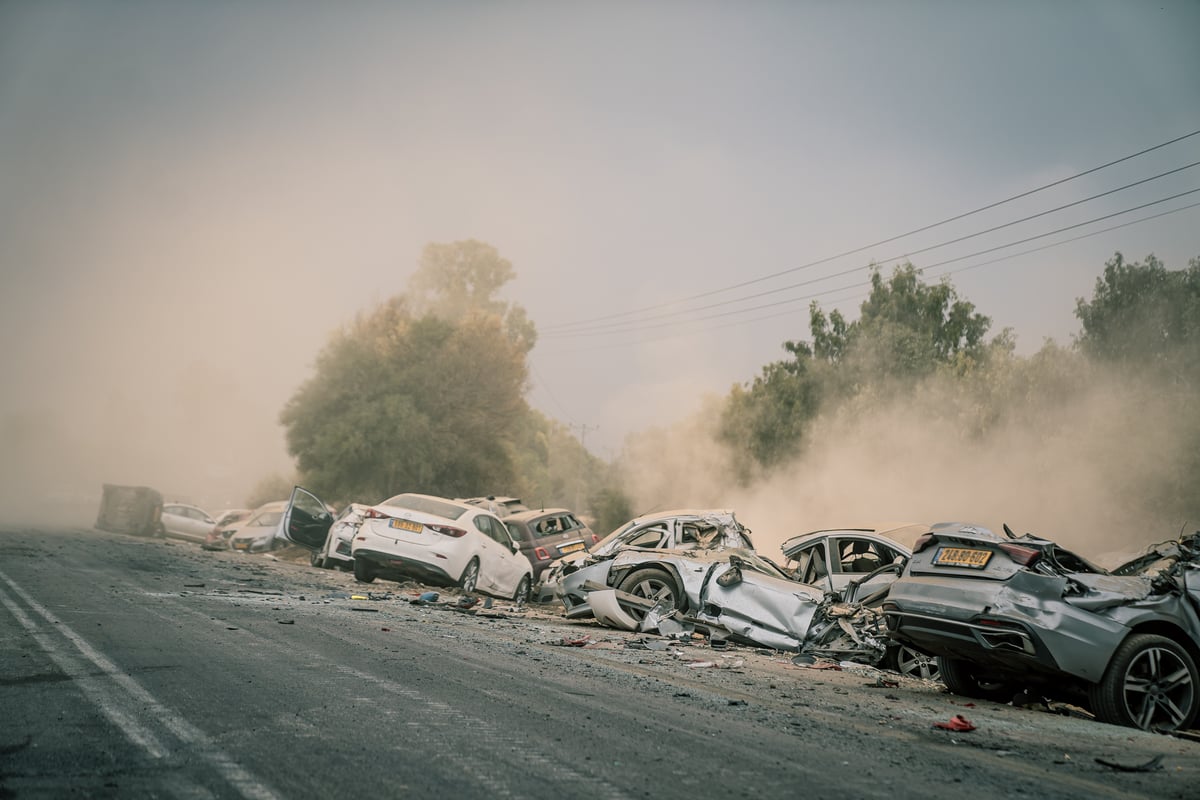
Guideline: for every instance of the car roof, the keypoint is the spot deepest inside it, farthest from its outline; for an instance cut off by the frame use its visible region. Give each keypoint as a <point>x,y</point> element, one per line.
<point>903,534</point>
<point>699,513</point>
<point>525,516</point>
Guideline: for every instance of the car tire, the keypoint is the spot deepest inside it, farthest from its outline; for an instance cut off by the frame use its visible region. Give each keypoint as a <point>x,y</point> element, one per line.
<point>317,559</point>
<point>521,595</point>
<point>960,678</point>
<point>651,584</point>
<point>1151,683</point>
<point>470,576</point>
<point>913,663</point>
<point>364,572</point>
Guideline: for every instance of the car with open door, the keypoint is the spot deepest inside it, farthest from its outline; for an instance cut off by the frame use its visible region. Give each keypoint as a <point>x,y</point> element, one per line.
<point>431,539</point>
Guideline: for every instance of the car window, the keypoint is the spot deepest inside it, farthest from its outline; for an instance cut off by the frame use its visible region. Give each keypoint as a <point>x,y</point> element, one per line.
<point>426,505</point>
<point>813,568</point>
<point>492,529</point>
<point>571,522</point>
<point>859,556</point>
<point>650,537</point>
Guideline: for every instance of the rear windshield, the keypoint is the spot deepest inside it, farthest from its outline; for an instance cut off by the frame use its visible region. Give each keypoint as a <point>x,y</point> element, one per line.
<point>425,505</point>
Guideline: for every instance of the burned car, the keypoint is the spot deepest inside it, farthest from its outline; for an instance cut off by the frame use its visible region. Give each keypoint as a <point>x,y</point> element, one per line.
<point>1011,613</point>
<point>684,530</point>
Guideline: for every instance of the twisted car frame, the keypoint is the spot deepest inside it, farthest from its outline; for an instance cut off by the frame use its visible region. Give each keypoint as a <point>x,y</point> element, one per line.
<point>1005,614</point>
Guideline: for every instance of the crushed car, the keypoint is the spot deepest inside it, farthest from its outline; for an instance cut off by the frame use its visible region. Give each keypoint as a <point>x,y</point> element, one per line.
<point>336,552</point>
<point>733,594</point>
<point>1011,613</point>
<point>683,530</point>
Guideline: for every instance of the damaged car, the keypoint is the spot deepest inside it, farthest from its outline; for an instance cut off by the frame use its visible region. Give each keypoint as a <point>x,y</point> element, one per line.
<point>431,539</point>
<point>1011,613</point>
<point>683,530</point>
<point>732,594</point>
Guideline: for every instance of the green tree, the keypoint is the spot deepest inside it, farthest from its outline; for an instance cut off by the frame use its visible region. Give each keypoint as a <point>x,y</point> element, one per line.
<point>427,403</point>
<point>1144,315</point>
<point>906,330</point>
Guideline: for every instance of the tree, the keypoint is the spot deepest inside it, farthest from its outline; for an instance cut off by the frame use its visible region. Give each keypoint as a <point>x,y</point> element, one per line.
<point>427,403</point>
<point>906,330</point>
<point>1144,315</point>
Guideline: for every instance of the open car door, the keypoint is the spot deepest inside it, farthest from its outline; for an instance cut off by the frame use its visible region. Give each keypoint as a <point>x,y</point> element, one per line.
<point>306,521</point>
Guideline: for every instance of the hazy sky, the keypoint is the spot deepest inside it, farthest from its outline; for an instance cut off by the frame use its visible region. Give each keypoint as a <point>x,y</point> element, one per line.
<point>194,194</point>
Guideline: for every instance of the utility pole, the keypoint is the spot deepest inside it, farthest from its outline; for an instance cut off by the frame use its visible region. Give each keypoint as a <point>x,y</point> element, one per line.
<point>583,432</point>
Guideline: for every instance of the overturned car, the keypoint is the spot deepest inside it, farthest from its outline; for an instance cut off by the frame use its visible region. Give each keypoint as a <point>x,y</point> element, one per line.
<point>1011,613</point>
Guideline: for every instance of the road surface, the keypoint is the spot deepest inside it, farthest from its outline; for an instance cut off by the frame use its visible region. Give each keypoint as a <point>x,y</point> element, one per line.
<point>134,667</point>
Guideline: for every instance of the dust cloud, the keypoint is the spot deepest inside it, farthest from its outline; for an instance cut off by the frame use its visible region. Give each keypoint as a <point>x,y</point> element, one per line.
<point>1084,465</point>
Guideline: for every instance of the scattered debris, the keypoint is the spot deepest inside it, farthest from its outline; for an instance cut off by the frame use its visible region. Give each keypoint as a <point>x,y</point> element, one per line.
<point>1153,765</point>
<point>957,723</point>
<point>370,610</point>
<point>286,621</point>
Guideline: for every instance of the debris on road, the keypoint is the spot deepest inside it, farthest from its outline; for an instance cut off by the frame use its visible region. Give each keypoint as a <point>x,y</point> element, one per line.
<point>957,723</point>
<point>1153,765</point>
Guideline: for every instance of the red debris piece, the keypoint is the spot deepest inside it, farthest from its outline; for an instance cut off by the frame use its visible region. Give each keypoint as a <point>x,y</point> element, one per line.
<point>957,723</point>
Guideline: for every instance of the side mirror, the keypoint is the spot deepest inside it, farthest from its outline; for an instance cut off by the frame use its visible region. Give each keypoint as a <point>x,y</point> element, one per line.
<point>516,548</point>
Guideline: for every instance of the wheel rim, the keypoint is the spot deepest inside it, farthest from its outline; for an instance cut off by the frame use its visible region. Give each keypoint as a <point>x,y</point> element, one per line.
<point>653,589</point>
<point>523,590</point>
<point>468,581</point>
<point>1158,689</point>
<point>916,665</point>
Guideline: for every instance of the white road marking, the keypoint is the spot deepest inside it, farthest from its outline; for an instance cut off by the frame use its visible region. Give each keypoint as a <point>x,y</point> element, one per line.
<point>123,701</point>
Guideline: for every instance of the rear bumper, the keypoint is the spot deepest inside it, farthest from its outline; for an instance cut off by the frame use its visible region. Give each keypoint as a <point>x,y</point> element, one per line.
<point>403,566</point>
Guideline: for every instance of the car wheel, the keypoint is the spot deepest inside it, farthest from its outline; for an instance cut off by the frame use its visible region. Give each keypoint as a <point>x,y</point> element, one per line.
<point>914,663</point>
<point>160,531</point>
<point>317,559</point>
<point>470,576</point>
<point>522,593</point>
<point>363,571</point>
<point>960,678</point>
<point>652,584</point>
<point>1150,683</point>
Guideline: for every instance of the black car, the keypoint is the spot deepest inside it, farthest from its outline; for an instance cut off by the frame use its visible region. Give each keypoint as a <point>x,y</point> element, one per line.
<point>547,534</point>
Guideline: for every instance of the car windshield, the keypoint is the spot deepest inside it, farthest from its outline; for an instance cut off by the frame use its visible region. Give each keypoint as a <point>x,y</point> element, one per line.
<point>264,519</point>
<point>426,505</point>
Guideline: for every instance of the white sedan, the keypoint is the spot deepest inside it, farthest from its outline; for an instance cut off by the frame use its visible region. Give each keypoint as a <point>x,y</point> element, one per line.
<point>431,539</point>
<point>186,521</point>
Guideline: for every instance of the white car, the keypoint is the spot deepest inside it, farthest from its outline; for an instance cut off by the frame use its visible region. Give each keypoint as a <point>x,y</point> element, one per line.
<point>336,552</point>
<point>431,539</point>
<point>833,558</point>
<point>261,532</point>
<point>186,521</point>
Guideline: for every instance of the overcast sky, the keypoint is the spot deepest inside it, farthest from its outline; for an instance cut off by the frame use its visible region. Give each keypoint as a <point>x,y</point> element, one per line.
<point>194,194</point>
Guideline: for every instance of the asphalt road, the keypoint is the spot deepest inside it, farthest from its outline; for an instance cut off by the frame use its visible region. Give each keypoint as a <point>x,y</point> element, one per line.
<point>142,668</point>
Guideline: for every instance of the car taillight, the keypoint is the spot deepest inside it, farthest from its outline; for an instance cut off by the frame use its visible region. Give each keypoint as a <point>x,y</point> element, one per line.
<point>1022,555</point>
<point>595,539</point>
<point>541,554</point>
<point>446,530</point>
<point>923,541</point>
<point>374,513</point>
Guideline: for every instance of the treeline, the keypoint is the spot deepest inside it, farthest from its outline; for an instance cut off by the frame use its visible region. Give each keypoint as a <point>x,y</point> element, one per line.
<point>426,393</point>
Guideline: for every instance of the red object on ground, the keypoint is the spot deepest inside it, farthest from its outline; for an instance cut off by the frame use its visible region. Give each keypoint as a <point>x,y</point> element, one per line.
<point>957,723</point>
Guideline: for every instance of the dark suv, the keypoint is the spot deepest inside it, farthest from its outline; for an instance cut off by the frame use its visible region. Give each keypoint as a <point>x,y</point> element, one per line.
<point>547,534</point>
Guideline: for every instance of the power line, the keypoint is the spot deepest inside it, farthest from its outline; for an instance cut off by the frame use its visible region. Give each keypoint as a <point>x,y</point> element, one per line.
<point>636,328</point>
<point>639,325</point>
<point>827,259</point>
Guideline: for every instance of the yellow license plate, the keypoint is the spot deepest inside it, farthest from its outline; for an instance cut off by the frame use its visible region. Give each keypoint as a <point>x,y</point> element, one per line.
<point>240,546</point>
<point>570,548</point>
<point>962,557</point>
<point>405,525</point>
